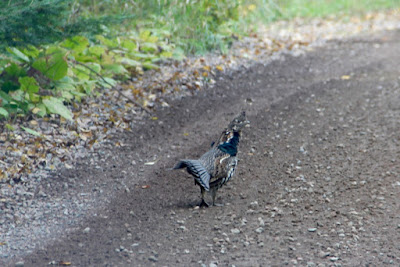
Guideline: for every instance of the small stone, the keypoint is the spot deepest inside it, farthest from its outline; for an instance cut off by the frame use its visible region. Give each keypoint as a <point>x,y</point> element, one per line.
<point>333,259</point>
<point>323,254</point>
<point>186,251</point>
<point>312,229</point>
<point>153,259</point>
<point>213,265</point>
<point>86,230</point>
<point>19,264</point>
<point>235,231</point>
<point>260,230</point>
<point>253,205</point>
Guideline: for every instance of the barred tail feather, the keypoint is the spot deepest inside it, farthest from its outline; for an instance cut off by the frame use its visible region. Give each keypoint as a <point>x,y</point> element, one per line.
<point>195,168</point>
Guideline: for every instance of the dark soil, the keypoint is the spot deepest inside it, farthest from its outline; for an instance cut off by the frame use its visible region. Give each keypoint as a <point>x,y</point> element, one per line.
<point>318,181</point>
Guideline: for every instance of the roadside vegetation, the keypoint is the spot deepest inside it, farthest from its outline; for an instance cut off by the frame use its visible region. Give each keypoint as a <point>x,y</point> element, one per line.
<point>53,53</point>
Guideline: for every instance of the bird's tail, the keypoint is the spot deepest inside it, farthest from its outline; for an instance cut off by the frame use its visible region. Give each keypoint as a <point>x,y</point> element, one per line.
<point>195,168</point>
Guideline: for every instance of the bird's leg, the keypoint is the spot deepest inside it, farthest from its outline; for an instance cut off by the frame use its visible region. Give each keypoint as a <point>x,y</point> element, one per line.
<point>203,203</point>
<point>213,195</point>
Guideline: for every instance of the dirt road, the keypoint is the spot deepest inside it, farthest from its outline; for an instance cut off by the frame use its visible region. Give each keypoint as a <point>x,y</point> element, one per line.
<point>318,181</point>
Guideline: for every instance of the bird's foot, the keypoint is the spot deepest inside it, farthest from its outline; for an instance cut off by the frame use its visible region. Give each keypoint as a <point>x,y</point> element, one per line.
<point>203,204</point>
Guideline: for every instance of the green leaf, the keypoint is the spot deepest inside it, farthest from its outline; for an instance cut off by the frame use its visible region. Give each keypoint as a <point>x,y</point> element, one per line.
<point>15,70</point>
<point>130,62</point>
<point>32,132</point>
<point>108,42</point>
<point>18,54</point>
<point>40,110</point>
<point>141,56</point>
<point>5,97</point>
<point>4,112</point>
<point>54,67</point>
<point>81,72</point>
<point>28,84</point>
<point>116,68</point>
<point>76,43</point>
<point>10,127</point>
<point>147,37</point>
<point>56,106</point>
<point>129,44</point>
<point>97,51</point>
<point>109,82</point>
<point>148,47</point>
<point>31,51</point>
<point>149,65</point>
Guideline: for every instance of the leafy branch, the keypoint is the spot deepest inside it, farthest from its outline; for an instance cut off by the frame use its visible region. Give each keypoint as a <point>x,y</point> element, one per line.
<point>115,88</point>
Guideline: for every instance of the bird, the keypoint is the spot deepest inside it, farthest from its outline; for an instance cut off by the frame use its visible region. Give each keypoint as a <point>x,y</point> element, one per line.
<point>217,166</point>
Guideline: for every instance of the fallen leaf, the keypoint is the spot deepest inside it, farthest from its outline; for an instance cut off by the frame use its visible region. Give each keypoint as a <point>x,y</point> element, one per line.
<point>207,68</point>
<point>220,68</point>
<point>65,263</point>
<point>345,77</point>
<point>145,186</point>
<point>150,163</point>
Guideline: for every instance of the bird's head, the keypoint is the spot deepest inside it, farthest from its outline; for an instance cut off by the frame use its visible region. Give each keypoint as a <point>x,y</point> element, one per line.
<point>239,122</point>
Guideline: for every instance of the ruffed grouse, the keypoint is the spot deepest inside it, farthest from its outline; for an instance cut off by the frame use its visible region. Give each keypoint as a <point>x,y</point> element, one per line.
<point>217,166</point>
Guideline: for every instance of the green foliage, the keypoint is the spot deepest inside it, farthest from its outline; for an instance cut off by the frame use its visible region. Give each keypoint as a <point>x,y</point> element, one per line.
<point>42,80</point>
<point>52,52</point>
<point>38,22</point>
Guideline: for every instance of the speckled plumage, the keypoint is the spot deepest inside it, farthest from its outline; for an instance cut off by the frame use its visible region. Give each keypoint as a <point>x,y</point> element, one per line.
<point>217,166</point>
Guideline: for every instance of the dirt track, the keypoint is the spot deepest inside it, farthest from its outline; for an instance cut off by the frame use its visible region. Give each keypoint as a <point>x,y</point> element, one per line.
<point>318,182</point>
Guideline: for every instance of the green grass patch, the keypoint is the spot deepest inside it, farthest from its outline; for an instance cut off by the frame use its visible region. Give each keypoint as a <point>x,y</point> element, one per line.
<point>321,8</point>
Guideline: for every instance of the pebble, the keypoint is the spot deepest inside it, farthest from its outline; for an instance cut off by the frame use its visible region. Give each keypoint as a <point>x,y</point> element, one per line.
<point>86,230</point>
<point>235,231</point>
<point>260,230</point>
<point>312,229</point>
<point>253,205</point>
<point>153,259</point>
<point>333,259</point>
<point>19,264</point>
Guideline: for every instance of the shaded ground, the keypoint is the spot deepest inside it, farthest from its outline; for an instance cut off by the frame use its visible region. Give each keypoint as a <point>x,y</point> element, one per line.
<point>318,181</point>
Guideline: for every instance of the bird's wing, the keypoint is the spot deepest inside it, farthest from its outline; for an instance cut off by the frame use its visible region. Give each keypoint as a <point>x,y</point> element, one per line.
<point>196,169</point>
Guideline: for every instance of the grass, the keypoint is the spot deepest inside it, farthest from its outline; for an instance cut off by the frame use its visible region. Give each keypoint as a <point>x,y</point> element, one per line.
<point>199,26</point>
<point>321,8</point>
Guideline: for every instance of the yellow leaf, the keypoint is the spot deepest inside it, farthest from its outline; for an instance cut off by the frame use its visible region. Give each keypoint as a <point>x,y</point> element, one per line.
<point>35,110</point>
<point>251,7</point>
<point>205,74</point>
<point>186,134</point>
<point>220,68</point>
<point>345,77</point>
<point>154,118</point>
<point>207,68</point>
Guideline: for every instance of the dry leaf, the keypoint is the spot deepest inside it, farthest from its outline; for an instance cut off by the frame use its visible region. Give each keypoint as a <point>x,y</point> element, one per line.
<point>145,186</point>
<point>65,263</point>
<point>345,77</point>
<point>220,68</point>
